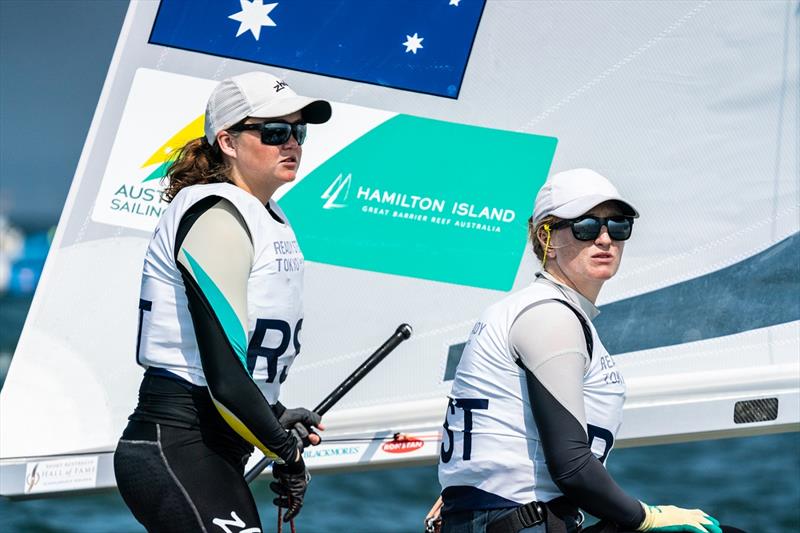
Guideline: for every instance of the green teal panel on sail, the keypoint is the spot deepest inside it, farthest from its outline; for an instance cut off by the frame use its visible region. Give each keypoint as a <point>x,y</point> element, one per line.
<point>426,199</point>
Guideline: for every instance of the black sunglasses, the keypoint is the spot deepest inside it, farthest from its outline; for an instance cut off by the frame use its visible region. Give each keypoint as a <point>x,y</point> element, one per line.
<point>275,133</point>
<point>587,227</point>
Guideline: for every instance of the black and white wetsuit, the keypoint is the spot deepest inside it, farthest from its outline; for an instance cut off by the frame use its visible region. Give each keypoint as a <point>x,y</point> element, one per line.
<point>534,410</point>
<point>220,318</point>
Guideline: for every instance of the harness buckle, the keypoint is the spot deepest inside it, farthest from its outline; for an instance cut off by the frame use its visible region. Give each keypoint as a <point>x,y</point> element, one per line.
<point>531,514</point>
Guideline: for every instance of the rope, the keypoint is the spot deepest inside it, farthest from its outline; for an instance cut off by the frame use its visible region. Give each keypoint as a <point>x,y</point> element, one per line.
<point>280,522</point>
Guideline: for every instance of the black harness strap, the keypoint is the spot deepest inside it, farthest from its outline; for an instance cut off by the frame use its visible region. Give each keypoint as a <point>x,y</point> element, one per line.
<point>587,331</point>
<point>527,515</point>
<point>531,514</point>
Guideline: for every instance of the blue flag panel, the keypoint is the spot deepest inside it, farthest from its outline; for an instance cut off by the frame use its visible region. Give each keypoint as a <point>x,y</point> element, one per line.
<point>416,45</point>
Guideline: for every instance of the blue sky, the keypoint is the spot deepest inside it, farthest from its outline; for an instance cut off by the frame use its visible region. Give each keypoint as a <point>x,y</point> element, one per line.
<point>53,60</point>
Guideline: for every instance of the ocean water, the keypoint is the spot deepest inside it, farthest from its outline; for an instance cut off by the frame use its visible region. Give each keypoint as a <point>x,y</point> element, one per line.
<point>752,483</point>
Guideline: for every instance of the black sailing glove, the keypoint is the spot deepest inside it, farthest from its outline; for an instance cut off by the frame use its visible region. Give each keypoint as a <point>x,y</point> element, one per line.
<point>300,421</point>
<point>290,486</point>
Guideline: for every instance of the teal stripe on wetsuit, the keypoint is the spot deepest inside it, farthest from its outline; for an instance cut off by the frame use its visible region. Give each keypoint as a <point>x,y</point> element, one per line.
<point>222,308</point>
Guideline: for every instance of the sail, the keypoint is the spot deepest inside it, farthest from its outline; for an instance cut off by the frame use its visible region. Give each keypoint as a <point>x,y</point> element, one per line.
<point>412,203</point>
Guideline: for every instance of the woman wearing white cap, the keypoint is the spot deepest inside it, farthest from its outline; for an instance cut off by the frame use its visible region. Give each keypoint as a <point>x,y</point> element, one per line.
<point>537,401</point>
<point>220,317</point>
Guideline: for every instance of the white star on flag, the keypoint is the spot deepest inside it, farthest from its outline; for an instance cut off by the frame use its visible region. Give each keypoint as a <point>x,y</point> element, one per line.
<point>253,16</point>
<point>454,2</point>
<point>413,43</point>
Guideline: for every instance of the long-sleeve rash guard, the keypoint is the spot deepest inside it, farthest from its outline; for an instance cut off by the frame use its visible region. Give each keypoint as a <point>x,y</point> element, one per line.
<point>213,236</point>
<point>549,340</point>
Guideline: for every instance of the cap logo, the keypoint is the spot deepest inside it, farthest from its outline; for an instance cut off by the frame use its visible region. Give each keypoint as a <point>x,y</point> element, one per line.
<point>280,85</point>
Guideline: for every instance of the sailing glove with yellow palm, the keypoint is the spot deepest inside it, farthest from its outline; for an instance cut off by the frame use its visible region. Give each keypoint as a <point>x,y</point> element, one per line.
<point>668,518</point>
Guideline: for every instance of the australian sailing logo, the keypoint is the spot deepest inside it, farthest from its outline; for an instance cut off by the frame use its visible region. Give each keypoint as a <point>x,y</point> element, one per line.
<point>142,196</point>
<point>161,109</point>
<point>415,207</point>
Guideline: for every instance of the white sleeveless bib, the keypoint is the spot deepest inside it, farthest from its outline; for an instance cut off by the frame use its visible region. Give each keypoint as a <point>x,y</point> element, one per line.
<point>491,441</point>
<point>274,294</point>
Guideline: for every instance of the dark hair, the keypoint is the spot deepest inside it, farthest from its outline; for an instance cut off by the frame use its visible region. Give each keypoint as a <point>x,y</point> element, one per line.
<point>196,162</point>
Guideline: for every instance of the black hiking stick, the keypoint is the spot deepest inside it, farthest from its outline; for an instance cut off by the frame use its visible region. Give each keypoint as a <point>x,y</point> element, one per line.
<point>402,333</point>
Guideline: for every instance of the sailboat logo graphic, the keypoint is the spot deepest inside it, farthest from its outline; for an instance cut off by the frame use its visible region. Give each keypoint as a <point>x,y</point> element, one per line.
<point>334,191</point>
<point>164,154</point>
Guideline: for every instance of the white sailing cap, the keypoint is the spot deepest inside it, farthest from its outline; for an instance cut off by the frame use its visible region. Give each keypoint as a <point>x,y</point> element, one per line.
<point>261,95</point>
<point>572,193</point>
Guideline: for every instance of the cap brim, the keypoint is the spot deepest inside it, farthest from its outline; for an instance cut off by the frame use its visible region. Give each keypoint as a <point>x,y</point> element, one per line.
<point>313,111</point>
<point>580,206</point>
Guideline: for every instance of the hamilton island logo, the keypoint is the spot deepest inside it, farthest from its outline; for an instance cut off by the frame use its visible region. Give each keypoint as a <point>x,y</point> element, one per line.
<point>415,207</point>
<point>337,192</point>
<point>436,216</point>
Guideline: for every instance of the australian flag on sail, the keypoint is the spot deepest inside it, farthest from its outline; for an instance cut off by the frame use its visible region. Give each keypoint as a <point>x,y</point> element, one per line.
<point>416,45</point>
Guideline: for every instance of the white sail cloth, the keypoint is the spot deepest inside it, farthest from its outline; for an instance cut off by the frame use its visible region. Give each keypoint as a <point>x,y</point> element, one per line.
<point>690,108</point>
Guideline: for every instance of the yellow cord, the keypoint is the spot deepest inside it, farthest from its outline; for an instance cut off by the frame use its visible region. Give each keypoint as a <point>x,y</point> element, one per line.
<point>546,244</point>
